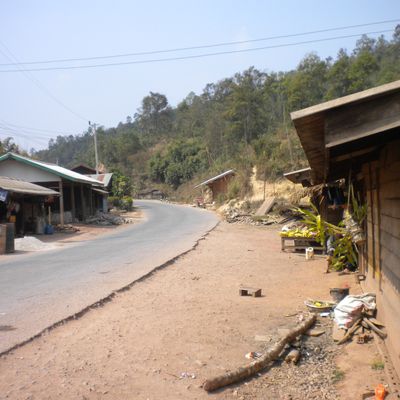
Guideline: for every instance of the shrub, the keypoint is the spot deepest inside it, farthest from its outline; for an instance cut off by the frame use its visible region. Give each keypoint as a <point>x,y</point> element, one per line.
<point>233,189</point>
<point>114,201</point>
<point>126,203</point>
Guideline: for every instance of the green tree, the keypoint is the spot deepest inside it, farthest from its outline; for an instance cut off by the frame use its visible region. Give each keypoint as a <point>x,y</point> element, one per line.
<point>155,115</point>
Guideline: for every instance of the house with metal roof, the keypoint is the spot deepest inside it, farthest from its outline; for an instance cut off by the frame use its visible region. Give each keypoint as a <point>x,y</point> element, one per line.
<point>77,198</point>
<point>357,138</point>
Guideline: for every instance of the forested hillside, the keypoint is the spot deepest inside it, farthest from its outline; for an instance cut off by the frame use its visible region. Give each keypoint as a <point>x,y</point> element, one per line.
<point>238,122</point>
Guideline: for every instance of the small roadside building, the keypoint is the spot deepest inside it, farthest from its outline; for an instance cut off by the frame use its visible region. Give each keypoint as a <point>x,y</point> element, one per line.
<point>218,184</point>
<point>84,169</point>
<point>23,203</point>
<point>76,199</point>
<point>302,176</point>
<point>357,138</point>
<point>100,195</point>
<point>152,194</point>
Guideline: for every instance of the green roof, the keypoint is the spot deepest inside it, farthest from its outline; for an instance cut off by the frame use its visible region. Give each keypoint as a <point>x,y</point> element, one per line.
<point>53,169</point>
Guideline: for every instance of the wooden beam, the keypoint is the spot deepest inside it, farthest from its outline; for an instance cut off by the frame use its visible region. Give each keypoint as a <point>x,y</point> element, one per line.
<point>83,203</point>
<point>73,201</point>
<point>60,189</point>
<point>375,92</point>
<point>91,200</point>
<point>361,120</point>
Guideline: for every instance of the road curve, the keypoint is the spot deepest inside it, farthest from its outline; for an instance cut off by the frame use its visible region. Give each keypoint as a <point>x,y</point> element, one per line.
<point>39,289</point>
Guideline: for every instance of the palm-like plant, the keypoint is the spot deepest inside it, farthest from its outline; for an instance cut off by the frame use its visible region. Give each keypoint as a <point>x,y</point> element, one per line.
<point>322,228</point>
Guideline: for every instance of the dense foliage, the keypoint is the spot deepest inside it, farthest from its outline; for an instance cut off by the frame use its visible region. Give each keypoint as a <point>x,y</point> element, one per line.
<point>235,123</point>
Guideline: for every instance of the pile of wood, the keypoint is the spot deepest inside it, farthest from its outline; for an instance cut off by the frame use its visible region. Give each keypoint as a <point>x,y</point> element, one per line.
<point>363,326</point>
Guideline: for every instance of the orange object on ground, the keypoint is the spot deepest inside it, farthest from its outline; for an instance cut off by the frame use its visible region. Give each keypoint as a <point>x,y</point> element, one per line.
<point>380,392</point>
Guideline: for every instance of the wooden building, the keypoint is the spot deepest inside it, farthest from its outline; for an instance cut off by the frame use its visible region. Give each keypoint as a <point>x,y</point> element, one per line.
<point>218,184</point>
<point>357,138</point>
<point>77,192</point>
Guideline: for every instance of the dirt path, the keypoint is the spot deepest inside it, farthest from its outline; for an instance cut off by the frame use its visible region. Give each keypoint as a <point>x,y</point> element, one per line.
<point>188,318</point>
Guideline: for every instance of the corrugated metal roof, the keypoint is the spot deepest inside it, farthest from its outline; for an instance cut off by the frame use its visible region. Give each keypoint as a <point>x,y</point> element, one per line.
<point>302,176</point>
<point>20,186</point>
<point>226,173</point>
<point>104,178</point>
<point>52,168</point>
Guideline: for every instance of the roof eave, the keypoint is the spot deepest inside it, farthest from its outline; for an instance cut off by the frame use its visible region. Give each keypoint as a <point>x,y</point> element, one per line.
<point>26,161</point>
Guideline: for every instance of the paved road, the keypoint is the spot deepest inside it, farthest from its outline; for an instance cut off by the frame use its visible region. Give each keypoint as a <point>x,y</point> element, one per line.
<point>41,288</point>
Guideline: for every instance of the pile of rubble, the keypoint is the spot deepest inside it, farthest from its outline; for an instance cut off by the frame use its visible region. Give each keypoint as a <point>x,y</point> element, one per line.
<point>107,219</point>
<point>236,216</point>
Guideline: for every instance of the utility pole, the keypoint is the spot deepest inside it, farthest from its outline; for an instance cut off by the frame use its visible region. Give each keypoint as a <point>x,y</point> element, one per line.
<point>95,147</point>
<point>286,130</point>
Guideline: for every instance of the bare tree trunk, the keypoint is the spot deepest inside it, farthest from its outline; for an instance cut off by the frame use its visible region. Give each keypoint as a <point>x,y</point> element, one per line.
<point>245,372</point>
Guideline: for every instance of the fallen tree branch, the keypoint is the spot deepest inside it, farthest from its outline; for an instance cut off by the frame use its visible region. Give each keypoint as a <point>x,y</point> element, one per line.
<point>245,372</point>
<point>351,332</point>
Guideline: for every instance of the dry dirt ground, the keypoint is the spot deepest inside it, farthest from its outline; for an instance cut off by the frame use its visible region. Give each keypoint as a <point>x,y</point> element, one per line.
<point>187,322</point>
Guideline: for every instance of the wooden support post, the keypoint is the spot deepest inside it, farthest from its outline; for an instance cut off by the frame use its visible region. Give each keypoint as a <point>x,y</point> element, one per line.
<point>73,201</point>
<point>60,189</point>
<point>83,203</point>
<point>91,200</point>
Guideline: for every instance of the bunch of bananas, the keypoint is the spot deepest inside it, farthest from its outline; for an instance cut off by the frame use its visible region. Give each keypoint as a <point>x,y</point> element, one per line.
<point>299,233</point>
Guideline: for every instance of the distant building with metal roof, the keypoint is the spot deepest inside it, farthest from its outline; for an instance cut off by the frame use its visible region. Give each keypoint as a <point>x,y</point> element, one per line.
<point>230,172</point>
<point>218,184</point>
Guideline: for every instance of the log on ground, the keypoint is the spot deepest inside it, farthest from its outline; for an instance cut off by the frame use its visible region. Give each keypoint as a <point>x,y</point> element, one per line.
<point>251,369</point>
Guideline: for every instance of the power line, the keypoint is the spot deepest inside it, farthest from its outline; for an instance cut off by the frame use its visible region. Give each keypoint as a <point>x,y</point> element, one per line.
<point>32,78</point>
<point>173,50</point>
<point>34,129</point>
<point>23,133</point>
<point>157,60</point>
<point>19,135</point>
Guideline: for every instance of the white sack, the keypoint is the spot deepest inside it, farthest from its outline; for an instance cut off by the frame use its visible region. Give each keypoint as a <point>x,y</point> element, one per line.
<point>351,307</point>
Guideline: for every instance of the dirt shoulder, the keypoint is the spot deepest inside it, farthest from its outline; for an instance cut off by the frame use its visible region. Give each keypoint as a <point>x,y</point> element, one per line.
<point>187,322</point>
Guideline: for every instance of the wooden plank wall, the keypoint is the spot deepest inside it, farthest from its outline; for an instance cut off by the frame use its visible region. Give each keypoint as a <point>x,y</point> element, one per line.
<point>381,256</point>
<point>390,214</point>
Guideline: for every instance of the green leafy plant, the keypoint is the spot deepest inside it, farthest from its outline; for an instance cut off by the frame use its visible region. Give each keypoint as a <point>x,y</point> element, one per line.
<point>345,253</point>
<point>338,375</point>
<point>316,224</point>
<point>377,365</point>
<point>358,211</point>
<point>126,203</point>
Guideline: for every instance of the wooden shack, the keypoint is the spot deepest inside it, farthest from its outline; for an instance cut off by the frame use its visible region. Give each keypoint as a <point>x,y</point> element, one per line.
<point>218,184</point>
<point>357,138</point>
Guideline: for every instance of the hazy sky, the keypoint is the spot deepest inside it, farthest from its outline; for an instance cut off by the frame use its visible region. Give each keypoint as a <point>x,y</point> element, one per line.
<point>44,30</point>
